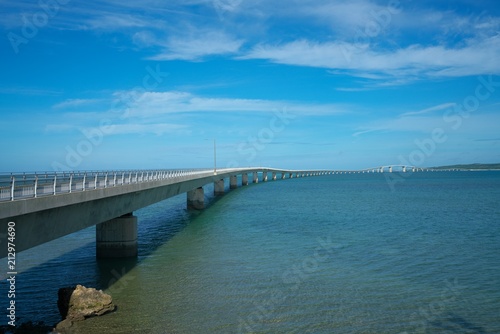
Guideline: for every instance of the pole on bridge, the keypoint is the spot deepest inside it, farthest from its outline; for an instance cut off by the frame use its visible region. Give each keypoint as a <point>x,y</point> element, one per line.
<point>215,159</point>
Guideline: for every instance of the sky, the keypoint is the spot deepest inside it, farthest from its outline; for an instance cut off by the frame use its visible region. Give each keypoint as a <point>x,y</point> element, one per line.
<point>296,84</point>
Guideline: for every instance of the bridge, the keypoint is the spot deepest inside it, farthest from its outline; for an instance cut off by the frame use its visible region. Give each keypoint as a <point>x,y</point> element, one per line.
<point>41,207</point>
<point>395,168</point>
<point>389,169</point>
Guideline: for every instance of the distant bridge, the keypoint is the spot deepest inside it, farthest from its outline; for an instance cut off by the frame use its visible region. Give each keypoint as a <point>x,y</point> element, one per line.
<point>390,169</point>
<point>41,207</point>
<point>396,168</point>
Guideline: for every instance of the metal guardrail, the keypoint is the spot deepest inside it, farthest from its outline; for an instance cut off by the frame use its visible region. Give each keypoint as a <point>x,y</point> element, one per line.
<point>31,185</point>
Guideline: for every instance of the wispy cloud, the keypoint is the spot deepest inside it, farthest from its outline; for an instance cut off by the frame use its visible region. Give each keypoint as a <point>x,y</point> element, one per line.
<point>426,121</point>
<point>118,21</point>
<point>368,130</point>
<point>142,129</point>
<point>430,61</point>
<point>197,45</point>
<point>157,103</point>
<point>73,103</point>
<point>429,110</point>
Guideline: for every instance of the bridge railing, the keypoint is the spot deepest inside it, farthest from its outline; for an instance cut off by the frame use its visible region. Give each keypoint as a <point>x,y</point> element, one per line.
<point>30,185</point>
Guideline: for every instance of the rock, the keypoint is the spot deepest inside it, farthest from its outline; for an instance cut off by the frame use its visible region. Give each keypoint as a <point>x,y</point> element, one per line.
<point>63,327</point>
<point>83,303</point>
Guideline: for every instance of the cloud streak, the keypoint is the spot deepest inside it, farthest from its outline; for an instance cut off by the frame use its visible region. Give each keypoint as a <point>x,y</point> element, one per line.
<point>416,60</point>
<point>174,102</point>
<point>440,107</point>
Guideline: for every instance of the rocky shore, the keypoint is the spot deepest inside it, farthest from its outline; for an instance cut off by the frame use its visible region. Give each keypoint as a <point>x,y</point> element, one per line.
<point>75,303</point>
<point>79,303</point>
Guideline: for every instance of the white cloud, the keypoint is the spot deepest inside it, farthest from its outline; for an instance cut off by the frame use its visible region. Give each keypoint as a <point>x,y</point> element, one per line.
<point>346,18</point>
<point>149,104</point>
<point>71,103</point>
<point>442,106</point>
<point>112,21</point>
<point>478,57</point>
<point>197,45</point>
<point>157,129</point>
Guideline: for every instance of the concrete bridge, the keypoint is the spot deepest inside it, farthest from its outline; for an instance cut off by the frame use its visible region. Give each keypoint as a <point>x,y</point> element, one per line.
<point>395,168</point>
<point>389,169</point>
<point>45,206</point>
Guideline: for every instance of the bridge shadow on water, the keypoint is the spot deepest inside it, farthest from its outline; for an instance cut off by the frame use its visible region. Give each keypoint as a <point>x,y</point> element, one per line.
<point>72,259</point>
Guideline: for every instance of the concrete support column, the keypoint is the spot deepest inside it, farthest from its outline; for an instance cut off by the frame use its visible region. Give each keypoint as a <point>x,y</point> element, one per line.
<point>117,237</point>
<point>196,199</point>
<point>274,176</point>
<point>283,176</point>
<point>264,176</point>
<point>233,182</point>
<point>244,179</point>
<point>219,187</point>
<point>255,177</point>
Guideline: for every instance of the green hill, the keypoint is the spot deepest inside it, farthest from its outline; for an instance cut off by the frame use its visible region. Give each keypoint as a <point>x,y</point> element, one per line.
<point>476,166</point>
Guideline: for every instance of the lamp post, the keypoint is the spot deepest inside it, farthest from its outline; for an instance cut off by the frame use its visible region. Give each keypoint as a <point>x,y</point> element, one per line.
<point>215,159</point>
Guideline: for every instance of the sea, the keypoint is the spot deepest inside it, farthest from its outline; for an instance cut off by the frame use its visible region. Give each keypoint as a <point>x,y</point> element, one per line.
<point>353,253</point>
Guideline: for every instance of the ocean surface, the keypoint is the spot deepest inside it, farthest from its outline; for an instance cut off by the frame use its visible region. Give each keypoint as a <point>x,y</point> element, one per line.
<point>355,253</point>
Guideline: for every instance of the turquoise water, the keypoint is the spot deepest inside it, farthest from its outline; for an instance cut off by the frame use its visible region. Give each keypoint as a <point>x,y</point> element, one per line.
<point>328,254</point>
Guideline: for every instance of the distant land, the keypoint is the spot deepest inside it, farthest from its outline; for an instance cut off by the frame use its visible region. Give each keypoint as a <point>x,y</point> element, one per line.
<point>476,166</point>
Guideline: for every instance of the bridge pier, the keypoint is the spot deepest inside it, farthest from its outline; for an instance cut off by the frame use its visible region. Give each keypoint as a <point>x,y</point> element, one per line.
<point>233,182</point>
<point>244,179</point>
<point>196,199</point>
<point>274,176</point>
<point>117,238</point>
<point>264,176</point>
<point>255,177</point>
<point>219,187</point>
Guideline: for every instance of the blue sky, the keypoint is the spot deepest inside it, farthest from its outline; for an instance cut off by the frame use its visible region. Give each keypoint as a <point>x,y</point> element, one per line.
<point>291,84</point>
